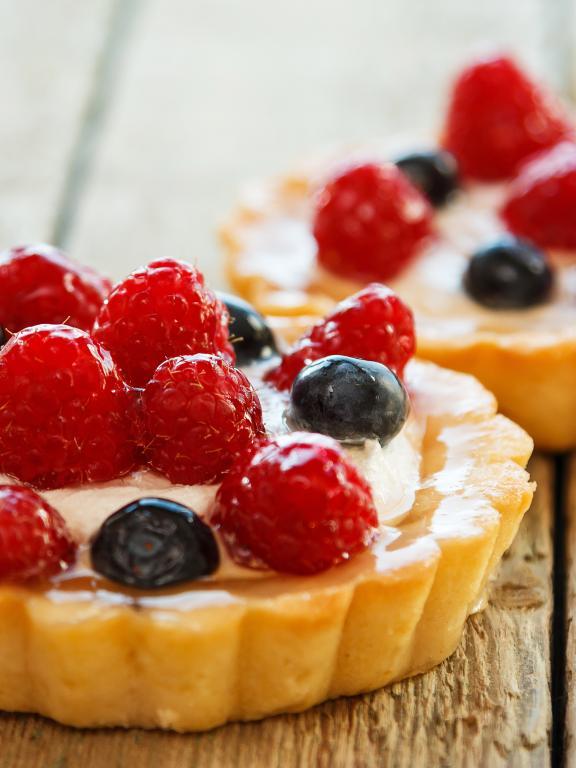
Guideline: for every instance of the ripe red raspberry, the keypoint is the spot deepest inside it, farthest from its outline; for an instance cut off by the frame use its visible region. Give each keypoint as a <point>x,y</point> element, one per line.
<point>200,415</point>
<point>297,505</point>
<point>497,117</point>
<point>373,324</point>
<point>40,284</point>
<point>66,415</point>
<point>158,312</point>
<point>370,221</point>
<point>34,540</point>
<point>541,201</point>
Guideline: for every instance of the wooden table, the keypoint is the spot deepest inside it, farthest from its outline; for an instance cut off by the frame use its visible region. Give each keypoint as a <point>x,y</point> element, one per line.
<point>127,127</point>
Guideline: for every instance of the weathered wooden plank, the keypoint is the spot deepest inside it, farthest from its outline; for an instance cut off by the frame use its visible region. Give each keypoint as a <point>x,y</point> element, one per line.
<point>48,53</point>
<point>570,657</point>
<point>216,92</point>
<point>489,705</point>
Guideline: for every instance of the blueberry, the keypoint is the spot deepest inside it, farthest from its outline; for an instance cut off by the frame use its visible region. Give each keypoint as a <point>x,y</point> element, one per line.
<point>434,172</point>
<point>508,274</point>
<point>351,400</point>
<point>154,543</point>
<point>251,337</point>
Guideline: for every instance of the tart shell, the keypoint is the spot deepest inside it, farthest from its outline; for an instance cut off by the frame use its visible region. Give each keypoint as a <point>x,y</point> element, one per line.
<point>242,650</point>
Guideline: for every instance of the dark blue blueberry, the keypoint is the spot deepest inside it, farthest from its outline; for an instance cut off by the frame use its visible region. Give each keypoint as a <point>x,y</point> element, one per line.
<point>351,400</point>
<point>251,337</point>
<point>154,543</point>
<point>508,274</point>
<point>434,172</point>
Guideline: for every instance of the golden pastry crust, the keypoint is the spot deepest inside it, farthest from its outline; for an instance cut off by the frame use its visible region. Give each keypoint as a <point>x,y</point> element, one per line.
<point>532,375</point>
<point>239,650</point>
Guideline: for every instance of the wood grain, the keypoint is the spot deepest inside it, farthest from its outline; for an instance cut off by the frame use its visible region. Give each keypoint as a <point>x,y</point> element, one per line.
<point>570,655</point>
<point>489,705</point>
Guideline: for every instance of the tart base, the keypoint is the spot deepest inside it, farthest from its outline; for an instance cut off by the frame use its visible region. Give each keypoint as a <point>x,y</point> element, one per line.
<point>245,649</point>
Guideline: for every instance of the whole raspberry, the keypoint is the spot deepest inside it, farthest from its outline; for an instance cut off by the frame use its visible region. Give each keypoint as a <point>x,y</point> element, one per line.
<point>373,324</point>
<point>497,117</point>
<point>66,415</point>
<point>370,222</point>
<point>40,284</point>
<point>158,312</point>
<point>200,415</point>
<point>541,201</point>
<point>296,505</point>
<point>34,540</point>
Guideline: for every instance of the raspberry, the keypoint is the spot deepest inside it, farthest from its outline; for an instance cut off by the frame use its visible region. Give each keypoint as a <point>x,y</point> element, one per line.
<point>541,201</point>
<point>34,540</point>
<point>40,284</point>
<point>66,415</point>
<point>497,117</point>
<point>200,415</point>
<point>296,505</point>
<point>370,221</point>
<point>161,311</point>
<point>373,324</point>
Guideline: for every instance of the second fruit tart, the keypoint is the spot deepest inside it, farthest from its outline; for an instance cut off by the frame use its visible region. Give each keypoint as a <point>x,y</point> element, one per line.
<point>180,557</point>
<point>478,236</point>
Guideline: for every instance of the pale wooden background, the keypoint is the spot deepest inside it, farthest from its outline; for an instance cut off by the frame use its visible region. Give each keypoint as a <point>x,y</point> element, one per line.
<point>126,129</point>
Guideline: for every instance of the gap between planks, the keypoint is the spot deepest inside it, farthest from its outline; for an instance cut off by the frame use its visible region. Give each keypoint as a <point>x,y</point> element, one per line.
<point>488,705</point>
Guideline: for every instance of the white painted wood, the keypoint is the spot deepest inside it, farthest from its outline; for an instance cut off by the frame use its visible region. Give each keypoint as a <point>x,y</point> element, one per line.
<point>48,54</point>
<point>217,91</point>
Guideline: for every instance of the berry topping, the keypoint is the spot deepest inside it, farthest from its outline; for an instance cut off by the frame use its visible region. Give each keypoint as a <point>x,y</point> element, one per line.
<point>66,415</point>
<point>40,284</point>
<point>34,540</point>
<point>200,414</point>
<point>497,117</point>
<point>373,324</point>
<point>348,399</point>
<point>433,172</point>
<point>508,274</point>
<point>250,335</point>
<point>158,312</point>
<point>541,201</point>
<point>153,543</point>
<point>296,505</point>
<point>370,222</point>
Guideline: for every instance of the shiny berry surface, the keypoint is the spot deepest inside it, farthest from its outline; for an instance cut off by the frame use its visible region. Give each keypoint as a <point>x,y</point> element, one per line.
<point>433,172</point>
<point>373,324</point>
<point>250,334</point>
<point>541,201</point>
<point>296,505</point>
<point>348,399</point>
<point>40,284</point>
<point>508,274</point>
<point>158,312</point>
<point>34,540</point>
<point>497,117</point>
<point>370,222</point>
<point>66,415</point>
<point>154,543</point>
<point>200,413</point>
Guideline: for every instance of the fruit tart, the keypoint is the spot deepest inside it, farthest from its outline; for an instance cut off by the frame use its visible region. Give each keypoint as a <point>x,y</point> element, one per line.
<point>478,235</point>
<point>185,542</point>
